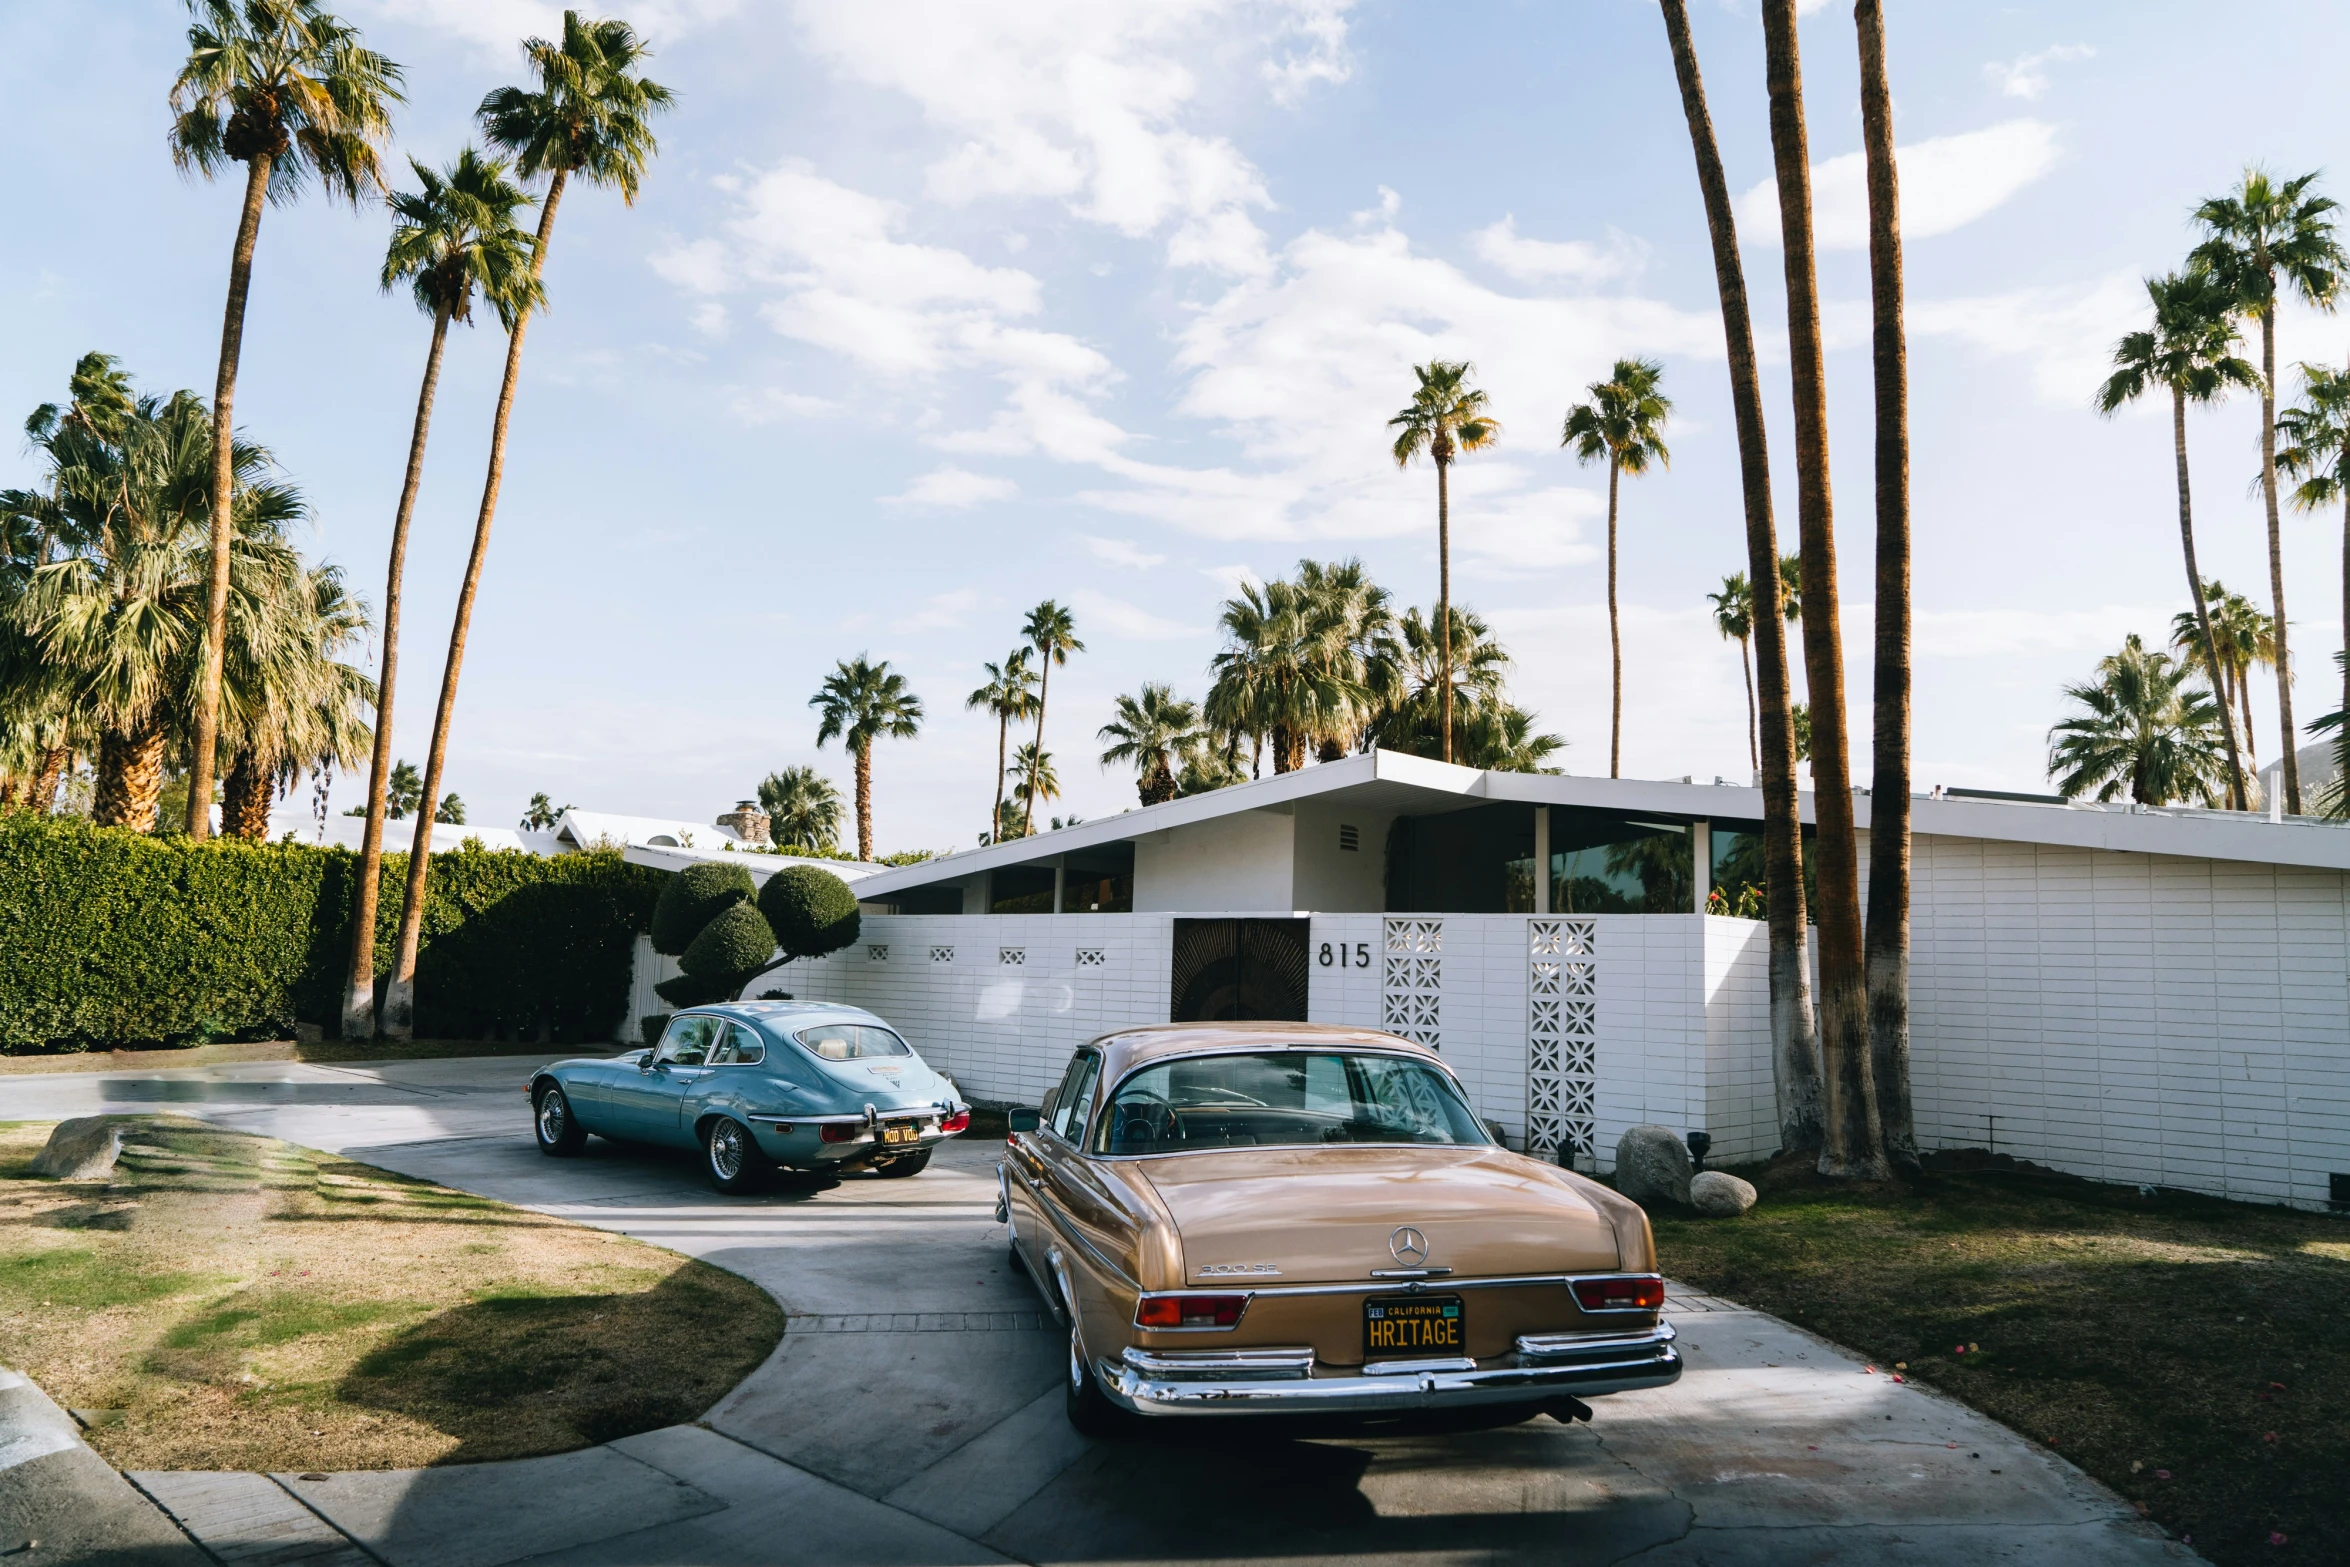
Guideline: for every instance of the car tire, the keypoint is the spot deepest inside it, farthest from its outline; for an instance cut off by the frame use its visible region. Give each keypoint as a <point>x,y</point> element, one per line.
<point>559,1133</point>
<point>911,1164</point>
<point>731,1157</point>
<point>1089,1408</point>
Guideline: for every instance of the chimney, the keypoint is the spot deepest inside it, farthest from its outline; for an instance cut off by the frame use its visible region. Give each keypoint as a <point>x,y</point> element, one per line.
<point>747,822</point>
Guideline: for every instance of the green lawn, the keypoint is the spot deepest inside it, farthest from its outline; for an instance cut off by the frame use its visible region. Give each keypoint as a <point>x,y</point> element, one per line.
<point>233,1302</point>
<point>2190,1353</point>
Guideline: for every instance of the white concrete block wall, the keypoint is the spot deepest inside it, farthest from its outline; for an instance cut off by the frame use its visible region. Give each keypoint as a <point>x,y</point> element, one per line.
<point>2134,1018</point>
<point>1741,1100</point>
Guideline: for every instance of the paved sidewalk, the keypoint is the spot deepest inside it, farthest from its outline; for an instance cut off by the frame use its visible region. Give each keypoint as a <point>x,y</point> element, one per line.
<point>912,1413</point>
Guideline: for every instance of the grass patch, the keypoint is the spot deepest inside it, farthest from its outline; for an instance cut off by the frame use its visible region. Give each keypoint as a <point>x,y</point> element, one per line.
<point>2190,1353</point>
<point>247,1304</point>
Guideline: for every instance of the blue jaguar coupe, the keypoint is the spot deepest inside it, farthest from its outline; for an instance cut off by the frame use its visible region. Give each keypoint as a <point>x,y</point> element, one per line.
<point>759,1086</point>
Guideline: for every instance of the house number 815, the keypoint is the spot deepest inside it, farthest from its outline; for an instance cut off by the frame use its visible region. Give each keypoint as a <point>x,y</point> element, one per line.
<point>1358,957</point>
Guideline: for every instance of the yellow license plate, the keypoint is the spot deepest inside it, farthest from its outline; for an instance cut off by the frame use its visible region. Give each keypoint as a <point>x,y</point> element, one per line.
<point>899,1131</point>
<point>1409,1326</point>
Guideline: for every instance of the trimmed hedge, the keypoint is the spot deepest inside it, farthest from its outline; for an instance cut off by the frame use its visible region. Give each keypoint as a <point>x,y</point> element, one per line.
<point>110,937</point>
<point>693,898</point>
<point>812,912</point>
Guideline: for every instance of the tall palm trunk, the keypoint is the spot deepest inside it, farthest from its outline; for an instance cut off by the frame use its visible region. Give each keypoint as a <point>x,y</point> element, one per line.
<point>398,1019</point>
<point>2239,799</point>
<point>359,994</point>
<point>1444,589</point>
<point>247,790</point>
<point>1885,948</point>
<point>130,777</point>
<point>2242,676</point>
<point>1615,636</point>
<point>41,795</point>
<point>1854,1145</point>
<point>1003,729</point>
<point>1044,688</point>
<point>224,395</point>
<point>2288,759</point>
<point>865,801</point>
<point>1795,1062</point>
<point>1753,742</point>
<point>2342,776</point>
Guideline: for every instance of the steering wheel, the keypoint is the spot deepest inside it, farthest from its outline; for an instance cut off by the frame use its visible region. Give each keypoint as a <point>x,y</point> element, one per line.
<point>1140,1116</point>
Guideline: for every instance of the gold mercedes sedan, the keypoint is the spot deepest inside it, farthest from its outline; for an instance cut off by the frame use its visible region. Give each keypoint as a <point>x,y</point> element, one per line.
<point>1250,1218</point>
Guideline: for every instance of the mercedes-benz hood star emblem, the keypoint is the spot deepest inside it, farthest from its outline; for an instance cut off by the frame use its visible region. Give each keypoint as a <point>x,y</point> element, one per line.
<point>1409,1246</point>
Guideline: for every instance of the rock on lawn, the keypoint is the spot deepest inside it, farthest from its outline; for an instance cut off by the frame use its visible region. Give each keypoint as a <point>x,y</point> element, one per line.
<point>83,1149</point>
<point>1719,1195</point>
<point>1652,1165</point>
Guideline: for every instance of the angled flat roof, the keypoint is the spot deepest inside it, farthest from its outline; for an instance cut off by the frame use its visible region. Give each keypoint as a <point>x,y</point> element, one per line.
<point>1413,785</point>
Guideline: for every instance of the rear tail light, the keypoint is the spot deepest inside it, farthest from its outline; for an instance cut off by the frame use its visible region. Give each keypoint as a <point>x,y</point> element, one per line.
<point>842,1131</point>
<point>1189,1311</point>
<point>1627,1292</point>
<point>960,1121</point>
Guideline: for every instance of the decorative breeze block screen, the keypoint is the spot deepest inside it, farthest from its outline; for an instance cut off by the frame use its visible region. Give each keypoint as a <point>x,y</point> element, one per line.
<point>1011,955</point>
<point>877,952</point>
<point>1092,957</point>
<point>1413,985</point>
<point>1562,1037</point>
<point>942,954</point>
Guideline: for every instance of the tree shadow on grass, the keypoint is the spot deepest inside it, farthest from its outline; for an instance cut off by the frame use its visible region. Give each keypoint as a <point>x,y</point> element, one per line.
<point>517,1375</point>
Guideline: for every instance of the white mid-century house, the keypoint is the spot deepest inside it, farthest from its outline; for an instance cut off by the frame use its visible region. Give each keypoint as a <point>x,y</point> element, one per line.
<point>2158,997</point>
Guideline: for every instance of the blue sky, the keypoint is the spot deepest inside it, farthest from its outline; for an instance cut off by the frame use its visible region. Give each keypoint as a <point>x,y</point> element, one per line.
<point>931,310</point>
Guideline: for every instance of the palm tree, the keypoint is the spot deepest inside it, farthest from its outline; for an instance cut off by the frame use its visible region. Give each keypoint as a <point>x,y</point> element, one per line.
<point>543,814</point>
<point>456,234</point>
<point>2241,636</point>
<point>1052,631</point>
<point>1010,693</point>
<point>1624,425</point>
<point>406,792</point>
<point>862,702</point>
<point>1478,681</point>
<point>1151,731</point>
<point>288,703</point>
<point>1283,674</point>
<point>114,624</point>
<point>2334,799</point>
<point>1734,619</point>
<point>2187,351</point>
<point>2317,452</point>
<point>1445,417</point>
<point>1795,1069</point>
<point>2142,729</point>
<point>2264,233</point>
<point>1854,1143</point>
<point>1353,647</point>
<point>287,90</point>
<point>589,116</point>
<point>1885,942</point>
<point>803,809</point>
<point>1033,780</point>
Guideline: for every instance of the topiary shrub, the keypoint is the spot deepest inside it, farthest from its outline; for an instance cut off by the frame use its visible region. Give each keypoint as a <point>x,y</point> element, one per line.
<point>723,958</point>
<point>811,911</point>
<point>694,897</point>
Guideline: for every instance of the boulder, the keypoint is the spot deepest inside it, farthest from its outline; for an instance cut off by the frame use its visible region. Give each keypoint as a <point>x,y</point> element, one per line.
<point>1720,1195</point>
<point>83,1149</point>
<point>1652,1166</point>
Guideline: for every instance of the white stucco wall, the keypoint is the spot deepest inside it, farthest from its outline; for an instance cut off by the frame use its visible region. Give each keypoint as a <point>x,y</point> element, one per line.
<point>1336,879</point>
<point>1230,865</point>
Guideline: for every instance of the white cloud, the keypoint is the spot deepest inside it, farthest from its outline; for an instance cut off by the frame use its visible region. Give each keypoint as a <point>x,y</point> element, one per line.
<point>1579,260</point>
<point>501,25</point>
<point>2026,76</point>
<point>953,489</point>
<point>770,404</point>
<point>1129,621</point>
<point>1946,183</point>
<point>940,612</point>
<point>2067,333</point>
<point>1086,102</point>
<point>1994,633</point>
<point>1124,554</point>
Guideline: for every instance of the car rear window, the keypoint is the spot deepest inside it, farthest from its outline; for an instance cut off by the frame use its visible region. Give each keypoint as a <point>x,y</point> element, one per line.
<point>852,1041</point>
<point>1284,1097</point>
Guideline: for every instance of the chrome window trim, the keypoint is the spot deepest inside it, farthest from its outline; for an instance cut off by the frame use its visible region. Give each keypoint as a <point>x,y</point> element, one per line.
<point>1378,1285</point>
<point>1102,1102</point>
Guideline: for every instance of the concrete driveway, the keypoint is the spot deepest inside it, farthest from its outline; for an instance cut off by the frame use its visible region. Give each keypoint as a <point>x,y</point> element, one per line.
<point>912,1414</point>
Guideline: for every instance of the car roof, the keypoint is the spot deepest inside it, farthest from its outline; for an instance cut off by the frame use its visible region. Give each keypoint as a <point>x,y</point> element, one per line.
<point>783,1016</point>
<point>1129,1048</point>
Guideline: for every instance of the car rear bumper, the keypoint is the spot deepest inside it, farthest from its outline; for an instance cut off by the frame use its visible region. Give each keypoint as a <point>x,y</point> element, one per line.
<point>1154,1382</point>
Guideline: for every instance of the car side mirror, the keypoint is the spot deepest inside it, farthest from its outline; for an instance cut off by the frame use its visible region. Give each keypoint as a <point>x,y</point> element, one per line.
<point>1021,1119</point>
<point>644,1063</point>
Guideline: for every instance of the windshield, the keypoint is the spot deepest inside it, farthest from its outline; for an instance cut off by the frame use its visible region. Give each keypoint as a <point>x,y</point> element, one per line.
<point>1284,1097</point>
<point>852,1041</point>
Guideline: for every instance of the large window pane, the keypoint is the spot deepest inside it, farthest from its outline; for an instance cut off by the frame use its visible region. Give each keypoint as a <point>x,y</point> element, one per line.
<point>1284,1098</point>
<point>1021,889</point>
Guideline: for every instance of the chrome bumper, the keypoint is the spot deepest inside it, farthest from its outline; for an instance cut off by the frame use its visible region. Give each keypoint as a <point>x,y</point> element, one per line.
<point>1267,1381</point>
